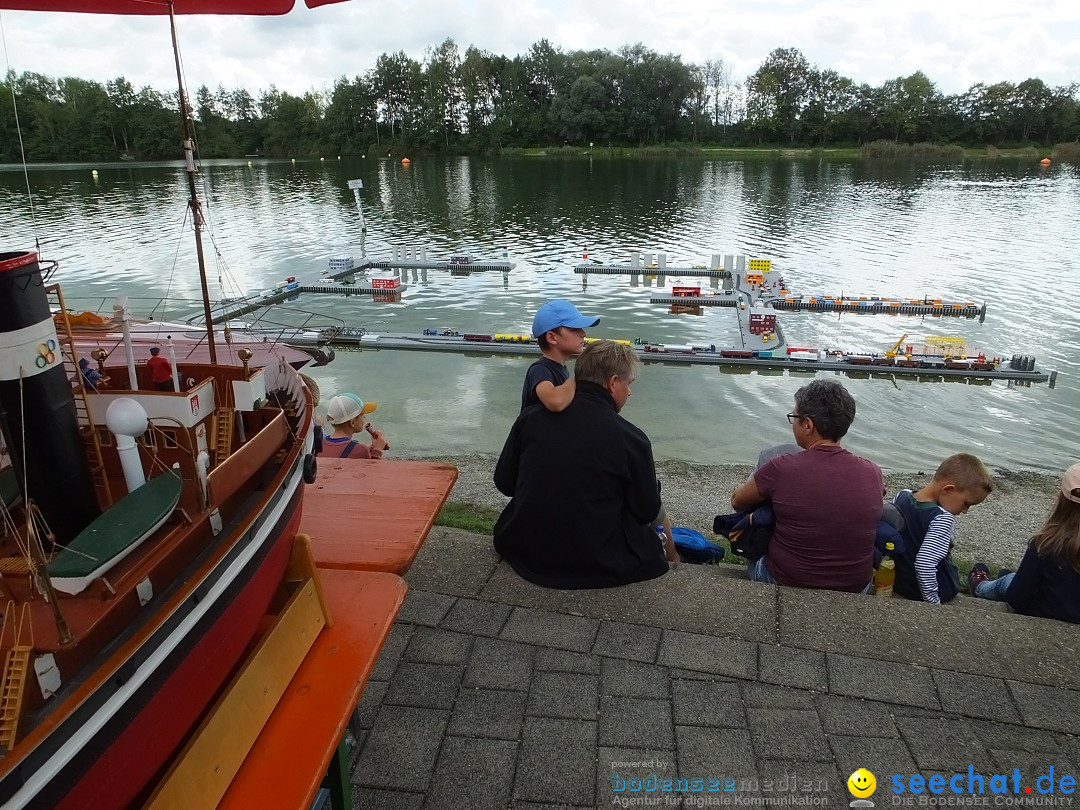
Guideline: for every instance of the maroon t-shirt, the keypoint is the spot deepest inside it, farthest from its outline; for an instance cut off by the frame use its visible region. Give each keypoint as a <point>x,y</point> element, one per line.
<point>827,504</point>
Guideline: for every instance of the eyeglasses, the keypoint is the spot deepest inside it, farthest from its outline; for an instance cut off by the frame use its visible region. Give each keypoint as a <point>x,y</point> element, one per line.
<point>791,417</point>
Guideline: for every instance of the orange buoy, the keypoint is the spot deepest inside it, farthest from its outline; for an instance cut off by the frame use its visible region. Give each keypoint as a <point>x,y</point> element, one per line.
<point>1044,162</point>
<point>405,161</point>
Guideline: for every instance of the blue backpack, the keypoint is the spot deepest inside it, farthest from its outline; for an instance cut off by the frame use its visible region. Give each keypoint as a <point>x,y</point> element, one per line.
<point>694,547</point>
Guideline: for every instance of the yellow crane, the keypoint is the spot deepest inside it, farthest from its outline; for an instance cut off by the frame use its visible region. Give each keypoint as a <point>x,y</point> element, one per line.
<point>895,350</point>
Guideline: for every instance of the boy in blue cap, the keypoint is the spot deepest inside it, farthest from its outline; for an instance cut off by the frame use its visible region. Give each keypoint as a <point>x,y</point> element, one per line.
<point>560,330</point>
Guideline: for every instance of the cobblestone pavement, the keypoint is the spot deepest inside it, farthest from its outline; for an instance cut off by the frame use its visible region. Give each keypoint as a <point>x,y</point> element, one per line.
<point>491,693</point>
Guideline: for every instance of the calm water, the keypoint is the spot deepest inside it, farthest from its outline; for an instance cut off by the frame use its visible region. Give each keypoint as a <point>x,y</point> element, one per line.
<point>1003,233</point>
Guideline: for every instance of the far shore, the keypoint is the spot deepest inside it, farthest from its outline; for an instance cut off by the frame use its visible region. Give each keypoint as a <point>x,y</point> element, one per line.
<point>775,151</point>
<point>613,152</point>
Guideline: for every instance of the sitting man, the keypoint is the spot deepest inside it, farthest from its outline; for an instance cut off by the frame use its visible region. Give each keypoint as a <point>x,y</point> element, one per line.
<point>585,504</point>
<point>826,501</point>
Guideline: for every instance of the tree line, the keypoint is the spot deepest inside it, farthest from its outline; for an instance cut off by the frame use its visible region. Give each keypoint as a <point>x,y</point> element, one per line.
<point>479,102</point>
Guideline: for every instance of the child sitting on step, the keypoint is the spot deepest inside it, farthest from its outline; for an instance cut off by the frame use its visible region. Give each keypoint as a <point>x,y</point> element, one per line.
<point>925,571</point>
<point>1048,581</point>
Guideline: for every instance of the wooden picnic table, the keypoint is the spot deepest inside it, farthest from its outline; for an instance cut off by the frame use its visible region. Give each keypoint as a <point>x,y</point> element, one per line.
<point>373,515</point>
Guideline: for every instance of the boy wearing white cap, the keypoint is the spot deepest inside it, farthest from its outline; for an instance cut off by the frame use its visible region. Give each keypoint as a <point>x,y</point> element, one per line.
<point>347,414</point>
<point>560,330</point>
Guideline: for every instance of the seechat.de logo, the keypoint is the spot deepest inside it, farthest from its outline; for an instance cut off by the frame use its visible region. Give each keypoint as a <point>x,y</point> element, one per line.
<point>861,784</point>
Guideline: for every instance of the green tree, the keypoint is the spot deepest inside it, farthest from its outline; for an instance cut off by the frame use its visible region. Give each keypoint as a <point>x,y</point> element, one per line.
<point>830,97</point>
<point>580,113</point>
<point>349,122</point>
<point>777,94</point>
<point>479,90</point>
<point>441,106</point>
<point>392,82</point>
<point>909,107</point>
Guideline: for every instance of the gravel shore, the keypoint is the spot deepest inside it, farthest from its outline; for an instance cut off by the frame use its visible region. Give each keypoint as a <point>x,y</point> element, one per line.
<point>995,531</point>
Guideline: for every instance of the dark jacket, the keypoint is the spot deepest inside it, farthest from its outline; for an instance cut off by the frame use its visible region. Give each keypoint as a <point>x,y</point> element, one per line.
<point>584,490</point>
<point>917,518</point>
<point>1044,588</point>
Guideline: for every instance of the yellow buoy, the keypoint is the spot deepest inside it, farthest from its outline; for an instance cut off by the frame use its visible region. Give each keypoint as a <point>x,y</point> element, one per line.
<point>1044,162</point>
<point>322,158</point>
<point>93,172</point>
<point>405,161</point>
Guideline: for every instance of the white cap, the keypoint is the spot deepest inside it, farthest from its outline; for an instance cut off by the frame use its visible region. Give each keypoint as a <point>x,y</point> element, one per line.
<point>347,407</point>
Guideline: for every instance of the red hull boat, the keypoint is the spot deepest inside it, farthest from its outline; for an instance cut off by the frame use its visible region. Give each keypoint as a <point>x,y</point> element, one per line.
<point>129,603</point>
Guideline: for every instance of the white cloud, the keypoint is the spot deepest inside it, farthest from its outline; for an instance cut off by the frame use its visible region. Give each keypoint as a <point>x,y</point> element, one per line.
<point>956,43</point>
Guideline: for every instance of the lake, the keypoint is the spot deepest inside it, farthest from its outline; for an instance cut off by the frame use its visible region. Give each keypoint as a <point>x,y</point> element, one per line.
<point>1002,232</point>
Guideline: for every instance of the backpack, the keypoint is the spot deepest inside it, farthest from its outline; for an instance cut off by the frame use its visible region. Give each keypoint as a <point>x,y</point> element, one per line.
<point>889,530</point>
<point>749,531</point>
<point>694,547</point>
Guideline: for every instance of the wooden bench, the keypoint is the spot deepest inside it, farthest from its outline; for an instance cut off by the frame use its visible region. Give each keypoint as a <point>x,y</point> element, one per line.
<point>366,521</point>
<point>373,515</point>
<point>278,729</point>
<point>304,734</point>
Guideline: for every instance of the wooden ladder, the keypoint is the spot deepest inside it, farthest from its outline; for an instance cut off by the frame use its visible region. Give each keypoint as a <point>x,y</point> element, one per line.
<point>12,691</point>
<point>223,433</point>
<point>16,667</point>
<point>87,429</point>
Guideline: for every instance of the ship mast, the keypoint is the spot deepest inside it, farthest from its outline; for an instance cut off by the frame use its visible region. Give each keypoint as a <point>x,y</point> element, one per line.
<point>189,165</point>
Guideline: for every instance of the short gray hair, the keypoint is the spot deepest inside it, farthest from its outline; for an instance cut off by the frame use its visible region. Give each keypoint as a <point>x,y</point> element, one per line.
<point>830,405</point>
<point>603,358</point>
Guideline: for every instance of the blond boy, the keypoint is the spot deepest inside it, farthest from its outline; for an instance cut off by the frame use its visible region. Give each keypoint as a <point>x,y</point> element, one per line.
<point>925,570</point>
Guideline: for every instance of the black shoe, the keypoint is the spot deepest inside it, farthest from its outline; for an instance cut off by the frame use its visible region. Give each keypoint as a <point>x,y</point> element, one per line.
<point>979,574</point>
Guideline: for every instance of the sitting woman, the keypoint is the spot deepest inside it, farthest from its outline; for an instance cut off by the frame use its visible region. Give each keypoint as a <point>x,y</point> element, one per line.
<point>1048,581</point>
<point>347,415</point>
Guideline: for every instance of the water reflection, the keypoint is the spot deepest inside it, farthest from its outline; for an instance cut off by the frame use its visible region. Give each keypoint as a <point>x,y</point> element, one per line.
<point>999,232</point>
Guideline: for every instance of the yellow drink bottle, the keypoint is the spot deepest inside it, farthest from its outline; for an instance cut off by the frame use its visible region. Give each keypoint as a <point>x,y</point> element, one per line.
<point>885,574</point>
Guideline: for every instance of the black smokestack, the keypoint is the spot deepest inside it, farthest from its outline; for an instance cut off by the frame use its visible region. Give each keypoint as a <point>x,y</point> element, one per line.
<point>34,386</point>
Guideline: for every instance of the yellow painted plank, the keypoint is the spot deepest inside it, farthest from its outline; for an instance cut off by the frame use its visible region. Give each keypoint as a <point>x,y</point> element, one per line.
<point>202,773</point>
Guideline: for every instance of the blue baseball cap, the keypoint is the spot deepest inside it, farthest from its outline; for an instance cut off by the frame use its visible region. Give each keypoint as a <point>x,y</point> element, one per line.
<point>560,312</point>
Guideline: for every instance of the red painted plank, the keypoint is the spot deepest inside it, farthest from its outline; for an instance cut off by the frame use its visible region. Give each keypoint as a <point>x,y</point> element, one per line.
<point>373,515</point>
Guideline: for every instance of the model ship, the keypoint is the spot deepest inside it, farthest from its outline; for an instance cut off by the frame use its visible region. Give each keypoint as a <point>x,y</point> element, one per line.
<point>144,535</point>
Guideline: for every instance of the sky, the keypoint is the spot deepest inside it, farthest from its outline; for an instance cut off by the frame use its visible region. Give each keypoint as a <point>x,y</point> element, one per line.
<point>955,42</point>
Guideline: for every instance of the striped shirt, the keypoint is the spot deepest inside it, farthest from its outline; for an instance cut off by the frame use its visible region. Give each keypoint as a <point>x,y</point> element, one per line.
<point>934,549</point>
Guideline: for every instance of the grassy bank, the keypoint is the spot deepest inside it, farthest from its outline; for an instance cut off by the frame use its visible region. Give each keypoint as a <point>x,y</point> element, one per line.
<point>879,150</point>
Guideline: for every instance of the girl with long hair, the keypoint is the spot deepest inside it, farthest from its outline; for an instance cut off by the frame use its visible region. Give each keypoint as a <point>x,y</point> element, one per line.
<point>1047,583</point>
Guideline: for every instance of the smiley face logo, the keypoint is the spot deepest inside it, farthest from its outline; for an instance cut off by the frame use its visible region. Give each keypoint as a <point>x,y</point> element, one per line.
<point>861,783</point>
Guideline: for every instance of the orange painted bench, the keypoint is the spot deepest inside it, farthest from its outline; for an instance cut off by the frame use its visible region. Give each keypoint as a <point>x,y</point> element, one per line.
<point>303,736</point>
<point>373,515</point>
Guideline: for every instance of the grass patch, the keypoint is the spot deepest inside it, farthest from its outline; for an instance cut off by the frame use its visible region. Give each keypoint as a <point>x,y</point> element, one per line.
<point>467,516</point>
<point>931,152</point>
<point>659,150</point>
<point>877,150</point>
<point>1067,151</point>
